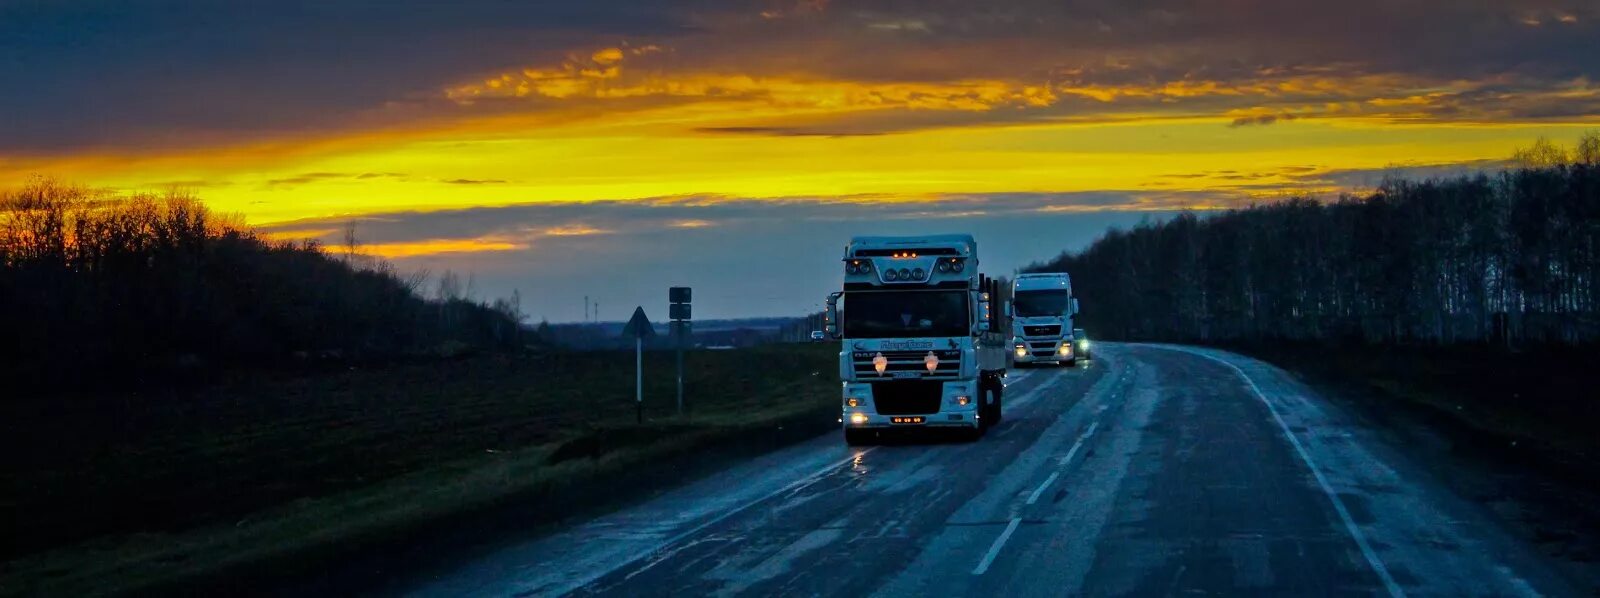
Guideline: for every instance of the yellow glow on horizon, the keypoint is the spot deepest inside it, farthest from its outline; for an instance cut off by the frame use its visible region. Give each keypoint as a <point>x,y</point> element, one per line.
<point>714,136</point>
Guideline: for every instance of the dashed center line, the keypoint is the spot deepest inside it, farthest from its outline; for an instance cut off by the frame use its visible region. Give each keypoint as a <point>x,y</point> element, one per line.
<point>1033,498</point>
<point>1079,444</point>
<point>994,549</point>
<point>1000,542</point>
<point>1037,492</point>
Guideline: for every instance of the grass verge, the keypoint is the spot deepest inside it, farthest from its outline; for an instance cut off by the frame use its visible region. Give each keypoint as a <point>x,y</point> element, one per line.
<point>567,460</point>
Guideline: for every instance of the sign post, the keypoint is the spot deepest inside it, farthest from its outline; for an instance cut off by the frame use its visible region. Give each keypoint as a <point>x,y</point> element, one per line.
<point>639,328</point>
<point>679,310</point>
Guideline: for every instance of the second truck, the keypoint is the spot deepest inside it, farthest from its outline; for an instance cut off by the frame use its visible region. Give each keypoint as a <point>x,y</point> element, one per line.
<point>1044,309</point>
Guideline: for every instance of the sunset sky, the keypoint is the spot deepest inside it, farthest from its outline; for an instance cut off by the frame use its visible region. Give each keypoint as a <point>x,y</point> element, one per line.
<point>612,149</point>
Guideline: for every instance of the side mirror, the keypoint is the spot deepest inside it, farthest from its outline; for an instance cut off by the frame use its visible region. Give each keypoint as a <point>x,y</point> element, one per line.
<point>1074,306</point>
<point>830,318</point>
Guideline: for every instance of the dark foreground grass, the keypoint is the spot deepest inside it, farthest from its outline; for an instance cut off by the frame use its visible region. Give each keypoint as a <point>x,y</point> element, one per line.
<point>273,470</point>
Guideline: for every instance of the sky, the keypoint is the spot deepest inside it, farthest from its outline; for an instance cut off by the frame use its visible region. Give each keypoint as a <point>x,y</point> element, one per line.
<point>613,149</point>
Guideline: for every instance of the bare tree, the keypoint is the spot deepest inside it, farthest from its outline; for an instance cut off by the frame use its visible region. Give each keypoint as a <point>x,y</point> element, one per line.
<point>1588,150</point>
<point>1542,154</point>
<point>351,245</point>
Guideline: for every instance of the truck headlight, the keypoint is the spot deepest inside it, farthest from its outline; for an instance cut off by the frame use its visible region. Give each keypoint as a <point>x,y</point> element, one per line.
<point>1022,351</point>
<point>858,418</point>
<point>852,402</point>
<point>1066,348</point>
<point>963,400</point>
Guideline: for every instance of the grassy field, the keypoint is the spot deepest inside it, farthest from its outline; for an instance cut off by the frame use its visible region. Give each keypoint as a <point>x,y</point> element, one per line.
<point>128,491</point>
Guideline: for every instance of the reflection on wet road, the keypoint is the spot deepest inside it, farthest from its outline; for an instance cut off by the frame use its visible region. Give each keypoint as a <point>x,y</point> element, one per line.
<point>1150,470</point>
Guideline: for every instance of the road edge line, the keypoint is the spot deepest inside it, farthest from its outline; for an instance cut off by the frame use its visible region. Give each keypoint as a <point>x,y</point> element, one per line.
<point>1371,555</point>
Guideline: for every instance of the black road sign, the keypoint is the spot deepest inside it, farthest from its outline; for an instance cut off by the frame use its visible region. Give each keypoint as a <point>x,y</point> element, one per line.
<point>679,295</point>
<point>680,311</point>
<point>639,326</point>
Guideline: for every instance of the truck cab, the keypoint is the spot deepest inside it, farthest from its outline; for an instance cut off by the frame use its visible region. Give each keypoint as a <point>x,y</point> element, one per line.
<point>921,341</point>
<point>1042,322</point>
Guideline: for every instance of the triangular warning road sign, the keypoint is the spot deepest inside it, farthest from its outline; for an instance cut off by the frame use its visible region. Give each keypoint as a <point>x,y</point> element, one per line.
<point>639,325</point>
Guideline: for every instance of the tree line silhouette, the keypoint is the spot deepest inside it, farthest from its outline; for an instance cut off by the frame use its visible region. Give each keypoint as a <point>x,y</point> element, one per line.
<point>1509,258</point>
<point>98,288</point>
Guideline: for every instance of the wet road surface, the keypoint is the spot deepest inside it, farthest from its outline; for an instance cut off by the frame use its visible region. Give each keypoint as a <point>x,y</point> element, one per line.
<point>1153,470</point>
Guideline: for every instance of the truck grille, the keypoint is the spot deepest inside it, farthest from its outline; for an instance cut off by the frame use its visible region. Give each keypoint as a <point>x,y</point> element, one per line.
<point>1044,346</point>
<point>1050,330</point>
<point>906,363</point>
<point>907,397</point>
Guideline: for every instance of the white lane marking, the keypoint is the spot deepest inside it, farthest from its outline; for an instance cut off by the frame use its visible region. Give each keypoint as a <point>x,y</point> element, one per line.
<point>799,484</point>
<point>1079,444</point>
<point>1033,498</point>
<point>1037,492</point>
<point>1389,584</point>
<point>994,549</point>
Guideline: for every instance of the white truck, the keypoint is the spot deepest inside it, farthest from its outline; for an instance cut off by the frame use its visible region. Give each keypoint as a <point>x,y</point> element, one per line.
<point>1042,324</point>
<point>922,345</point>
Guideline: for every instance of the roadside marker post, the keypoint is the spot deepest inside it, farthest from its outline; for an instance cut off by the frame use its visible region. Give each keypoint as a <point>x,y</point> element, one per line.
<point>679,310</point>
<point>639,328</point>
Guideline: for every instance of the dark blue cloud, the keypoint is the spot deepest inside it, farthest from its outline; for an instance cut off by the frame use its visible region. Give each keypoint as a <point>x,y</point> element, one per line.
<point>150,73</point>
<point>144,74</point>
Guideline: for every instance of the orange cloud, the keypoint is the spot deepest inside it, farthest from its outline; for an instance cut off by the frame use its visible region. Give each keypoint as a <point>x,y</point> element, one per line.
<point>574,230</point>
<point>691,223</point>
<point>439,246</point>
<point>297,234</point>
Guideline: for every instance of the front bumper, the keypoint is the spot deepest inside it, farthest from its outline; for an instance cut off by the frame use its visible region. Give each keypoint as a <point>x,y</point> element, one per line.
<point>875,421</point>
<point>946,413</point>
<point>1042,351</point>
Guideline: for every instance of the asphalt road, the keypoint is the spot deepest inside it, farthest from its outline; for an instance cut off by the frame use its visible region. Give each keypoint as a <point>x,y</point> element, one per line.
<point>1153,470</point>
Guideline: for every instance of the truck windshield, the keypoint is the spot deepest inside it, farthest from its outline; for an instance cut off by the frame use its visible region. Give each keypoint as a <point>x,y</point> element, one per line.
<point>1030,304</point>
<point>904,314</point>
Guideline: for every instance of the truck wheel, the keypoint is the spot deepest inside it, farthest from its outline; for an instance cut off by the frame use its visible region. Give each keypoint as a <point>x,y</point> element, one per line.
<point>992,407</point>
<point>857,437</point>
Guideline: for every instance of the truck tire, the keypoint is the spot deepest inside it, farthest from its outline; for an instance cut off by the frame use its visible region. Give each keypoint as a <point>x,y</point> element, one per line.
<point>992,407</point>
<point>857,437</point>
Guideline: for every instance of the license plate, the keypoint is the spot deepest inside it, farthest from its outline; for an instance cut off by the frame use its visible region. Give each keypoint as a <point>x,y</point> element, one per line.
<point>906,375</point>
<point>905,420</point>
